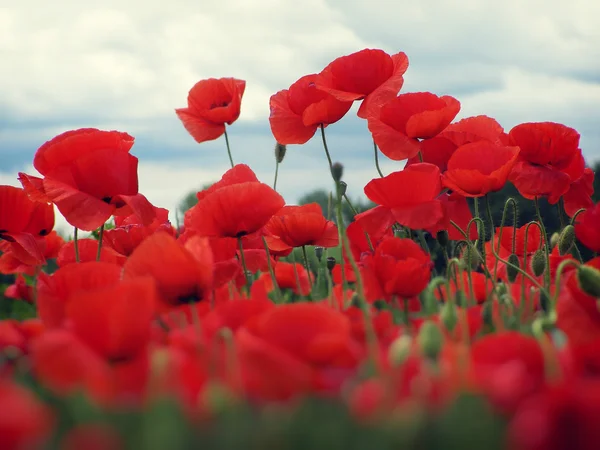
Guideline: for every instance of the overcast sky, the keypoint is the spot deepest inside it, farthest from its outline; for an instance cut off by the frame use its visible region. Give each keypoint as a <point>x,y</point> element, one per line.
<point>127,65</point>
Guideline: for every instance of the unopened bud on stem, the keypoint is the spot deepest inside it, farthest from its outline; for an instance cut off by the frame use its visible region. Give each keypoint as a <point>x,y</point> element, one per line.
<point>280,150</point>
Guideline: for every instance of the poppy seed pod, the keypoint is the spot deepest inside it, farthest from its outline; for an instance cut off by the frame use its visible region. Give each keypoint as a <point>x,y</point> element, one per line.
<point>589,280</point>
<point>430,339</point>
<point>337,170</point>
<point>330,263</point>
<point>319,252</point>
<point>449,316</point>
<point>538,263</point>
<point>511,271</point>
<point>566,240</point>
<point>343,187</point>
<point>280,150</point>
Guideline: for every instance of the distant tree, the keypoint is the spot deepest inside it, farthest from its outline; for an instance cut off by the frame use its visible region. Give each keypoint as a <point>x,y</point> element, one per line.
<point>190,200</point>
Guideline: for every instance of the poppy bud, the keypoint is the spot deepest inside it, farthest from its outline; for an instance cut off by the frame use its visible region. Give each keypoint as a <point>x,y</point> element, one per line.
<point>330,263</point>
<point>502,289</point>
<point>538,263</point>
<point>319,253</point>
<point>589,280</point>
<point>512,272</point>
<point>280,150</point>
<point>442,238</point>
<point>216,397</point>
<point>471,258</point>
<point>430,339</point>
<point>399,350</point>
<point>343,186</point>
<point>337,170</point>
<point>487,314</point>
<point>460,298</point>
<point>554,239</point>
<point>449,316</point>
<point>566,240</point>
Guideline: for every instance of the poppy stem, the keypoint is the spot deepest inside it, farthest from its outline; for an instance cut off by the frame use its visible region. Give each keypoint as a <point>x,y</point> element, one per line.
<point>420,156</point>
<point>547,280</point>
<point>100,238</point>
<point>377,160</point>
<point>244,268</point>
<point>307,265</point>
<point>271,271</point>
<point>228,148</point>
<point>327,151</point>
<point>76,245</point>
<point>276,172</point>
<point>296,275</point>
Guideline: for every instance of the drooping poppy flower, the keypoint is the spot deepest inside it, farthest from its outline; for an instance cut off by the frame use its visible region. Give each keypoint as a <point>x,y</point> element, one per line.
<point>183,272</point>
<point>587,228</point>
<point>579,195</point>
<point>410,195</point>
<point>479,168</point>
<point>297,226</point>
<point>549,160</point>
<point>372,75</point>
<point>399,268</point>
<point>212,103</point>
<point>25,421</point>
<point>401,122</point>
<point>297,112</point>
<point>89,175</point>
<point>233,207</point>
<point>578,313</point>
<point>22,223</point>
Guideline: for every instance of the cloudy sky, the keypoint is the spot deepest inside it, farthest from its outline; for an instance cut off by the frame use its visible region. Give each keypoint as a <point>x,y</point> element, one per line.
<point>127,65</point>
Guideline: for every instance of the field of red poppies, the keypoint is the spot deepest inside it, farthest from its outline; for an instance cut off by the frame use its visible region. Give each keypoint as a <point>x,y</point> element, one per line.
<point>422,324</point>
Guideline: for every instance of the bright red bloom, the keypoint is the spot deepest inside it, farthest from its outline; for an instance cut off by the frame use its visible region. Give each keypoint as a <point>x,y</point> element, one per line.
<point>456,209</point>
<point>20,290</point>
<point>579,195</point>
<point>88,251</point>
<point>288,276</point>
<point>297,112</point>
<point>50,246</point>
<point>399,123</point>
<point>296,226</point>
<point>89,175</point>
<point>25,422</point>
<point>236,206</point>
<point>212,103</point>
<point>372,75</point>
<point>482,286</point>
<point>399,267</point>
<point>549,160</point>
<point>183,272</point>
<point>410,194</point>
<point>534,242</point>
<point>22,222</point>
<point>587,228</point>
<point>578,313</point>
<point>478,168</point>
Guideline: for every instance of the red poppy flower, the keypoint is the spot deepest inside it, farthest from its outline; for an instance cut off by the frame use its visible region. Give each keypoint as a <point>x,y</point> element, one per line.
<point>478,168</point>
<point>55,292</point>
<point>578,314</point>
<point>212,103</point>
<point>296,226</point>
<point>26,422</point>
<point>88,251</point>
<point>89,175</point>
<point>399,123</point>
<point>549,160</point>
<point>372,75</point>
<point>183,272</point>
<point>481,286</point>
<point>20,290</point>
<point>587,228</point>
<point>115,320</point>
<point>400,267</point>
<point>297,112</point>
<point>22,222</point>
<point>455,209</point>
<point>579,195</point>
<point>504,246</point>
<point>410,194</point>
<point>234,207</point>
<point>288,276</point>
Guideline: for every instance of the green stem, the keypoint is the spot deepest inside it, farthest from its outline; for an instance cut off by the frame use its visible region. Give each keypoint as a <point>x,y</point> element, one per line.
<point>244,268</point>
<point>327,151</point>
<point>558,279</point>
<point>547,280</point>
<point>100,238</point>
<point>276,172</point>
<point>228,148</point>
<point>272,272</point>
<point>307,265</point>
<point>420,156</point>
<point>76,245</point>
<point>377,160</point>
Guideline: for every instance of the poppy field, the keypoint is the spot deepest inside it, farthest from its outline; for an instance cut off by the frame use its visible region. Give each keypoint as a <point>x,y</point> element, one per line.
<point>422,324</point>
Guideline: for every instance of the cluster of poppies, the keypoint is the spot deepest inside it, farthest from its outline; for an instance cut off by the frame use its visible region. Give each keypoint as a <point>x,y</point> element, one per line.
<point>219,312</point>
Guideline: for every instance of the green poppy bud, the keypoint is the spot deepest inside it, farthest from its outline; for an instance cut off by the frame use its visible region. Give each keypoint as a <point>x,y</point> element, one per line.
<point>589,280</point>
<point>430,339</point>
<point>512,272</point>
<point>538,263</point>
<point>566,240</point>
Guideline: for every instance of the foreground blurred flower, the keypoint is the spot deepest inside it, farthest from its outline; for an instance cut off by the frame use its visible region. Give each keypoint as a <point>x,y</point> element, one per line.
<point>212,103</point>
<point>587,228</point>
<point>297,112</point>
<point>372,75</point>
<point>89,175</point>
